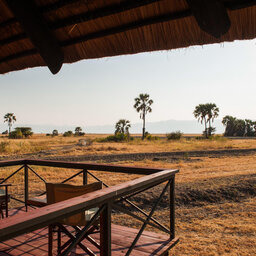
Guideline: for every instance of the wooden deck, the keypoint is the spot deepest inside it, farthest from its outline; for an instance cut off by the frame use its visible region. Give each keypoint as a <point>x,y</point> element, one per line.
<point>36,242</point>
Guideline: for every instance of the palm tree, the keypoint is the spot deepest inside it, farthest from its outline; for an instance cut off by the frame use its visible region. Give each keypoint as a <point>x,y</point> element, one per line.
<point>200,113</point>
<point>122,126</point>
<point>230,123</point>
<point>142,105</point>
<point>10,118</point>
<point>212,111</point>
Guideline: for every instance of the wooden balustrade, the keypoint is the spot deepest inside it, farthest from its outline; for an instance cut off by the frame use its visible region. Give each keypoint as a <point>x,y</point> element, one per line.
<point>106,199</point>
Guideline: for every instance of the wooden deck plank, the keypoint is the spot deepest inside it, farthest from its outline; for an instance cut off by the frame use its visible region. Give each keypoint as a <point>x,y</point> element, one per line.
<point>35,243</point>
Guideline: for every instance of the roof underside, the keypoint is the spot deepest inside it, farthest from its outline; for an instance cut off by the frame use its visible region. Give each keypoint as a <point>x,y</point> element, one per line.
<point>53,32</point>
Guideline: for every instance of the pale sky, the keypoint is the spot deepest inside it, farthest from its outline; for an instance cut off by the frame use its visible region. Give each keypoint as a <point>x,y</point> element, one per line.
<point>102,91</point>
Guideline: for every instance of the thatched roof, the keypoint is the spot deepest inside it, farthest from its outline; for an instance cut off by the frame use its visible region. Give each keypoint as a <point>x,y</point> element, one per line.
<point>52,32</point>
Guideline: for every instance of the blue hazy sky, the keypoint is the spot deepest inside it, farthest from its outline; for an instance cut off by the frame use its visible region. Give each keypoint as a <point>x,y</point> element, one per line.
<point>101,91</point>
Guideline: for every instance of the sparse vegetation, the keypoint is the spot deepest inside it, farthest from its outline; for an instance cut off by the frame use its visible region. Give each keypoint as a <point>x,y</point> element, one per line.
<point>119,137</point>
<point>79,132</point>
<point>55,133</point>
<point>68,134</point>
<point>21,132</point>
<point>174,135</point>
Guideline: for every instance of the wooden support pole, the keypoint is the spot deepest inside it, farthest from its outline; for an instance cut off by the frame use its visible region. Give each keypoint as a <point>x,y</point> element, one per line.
<point>172,208</point>
<point>85,177</point>
<point>6,201</point>
<point>105,231</point>
<point>26,186</point>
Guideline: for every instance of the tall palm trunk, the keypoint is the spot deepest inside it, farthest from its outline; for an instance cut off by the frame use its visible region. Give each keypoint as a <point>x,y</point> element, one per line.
<point>205,129</point>
<point>210,131</point>
<point>143,128</point>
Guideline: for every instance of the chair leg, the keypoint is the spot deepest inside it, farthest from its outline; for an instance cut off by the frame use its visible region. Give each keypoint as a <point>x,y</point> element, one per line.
<point>50,239</point>
<point>1,210</point>
<point>59,240</point>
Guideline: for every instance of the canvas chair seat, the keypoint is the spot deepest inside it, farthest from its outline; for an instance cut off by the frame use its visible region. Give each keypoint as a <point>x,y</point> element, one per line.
<point>60,192</point>
<point>2,192</point>
<point>4,199</point>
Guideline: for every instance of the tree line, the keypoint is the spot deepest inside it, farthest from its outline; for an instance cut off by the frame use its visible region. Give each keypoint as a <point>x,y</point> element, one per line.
<point>206,113</point>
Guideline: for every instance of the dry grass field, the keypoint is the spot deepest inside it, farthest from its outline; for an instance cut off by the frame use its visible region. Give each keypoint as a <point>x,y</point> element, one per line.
<point>215,196</point>
<point>58,146</point>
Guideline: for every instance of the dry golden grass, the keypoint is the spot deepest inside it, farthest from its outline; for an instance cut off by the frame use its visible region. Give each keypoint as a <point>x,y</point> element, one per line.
<point>58,146</point>
<point>216,203</point>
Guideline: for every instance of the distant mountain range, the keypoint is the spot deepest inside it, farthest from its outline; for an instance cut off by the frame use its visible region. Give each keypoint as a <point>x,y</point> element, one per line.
<point>185,126</point>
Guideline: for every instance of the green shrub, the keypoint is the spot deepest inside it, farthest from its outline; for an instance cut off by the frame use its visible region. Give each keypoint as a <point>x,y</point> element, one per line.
<point>55,133</point>
<point>5,132</point>
<point>150,137</point>
<point>174,135</point>
<point>115,138</point>
<point>17,134</point>
<point>26,131</point>
<point>68,134</point>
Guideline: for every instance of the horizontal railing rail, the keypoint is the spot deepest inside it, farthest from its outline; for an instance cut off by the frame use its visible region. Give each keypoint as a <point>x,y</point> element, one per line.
<point>77,165</point>
<point>38,218</point>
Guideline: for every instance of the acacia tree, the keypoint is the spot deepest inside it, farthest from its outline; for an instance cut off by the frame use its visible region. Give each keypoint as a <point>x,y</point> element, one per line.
<point>10,118</point>
<point>200,113</point>
<point>123,126</point>
<point>142,105</point>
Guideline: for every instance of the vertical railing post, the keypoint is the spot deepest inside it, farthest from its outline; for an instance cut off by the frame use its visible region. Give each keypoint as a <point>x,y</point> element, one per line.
<point>26,186</point>
<point>85,177</point>
<point>105,231</point>
<point>172,208</point>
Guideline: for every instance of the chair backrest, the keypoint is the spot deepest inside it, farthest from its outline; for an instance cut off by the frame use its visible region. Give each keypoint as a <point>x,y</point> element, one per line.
<point>59,192</point>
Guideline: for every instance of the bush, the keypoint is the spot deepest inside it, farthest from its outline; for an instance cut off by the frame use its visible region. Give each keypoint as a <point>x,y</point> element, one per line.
<point>79,133</point>
<point>55,133</point>
<point>5,132</point>
<point>150,137</point>
<point>174,135</point>
<point>25,131</point>
<point>115,138</point>
<point>17,134</point>
<point>68,134</point>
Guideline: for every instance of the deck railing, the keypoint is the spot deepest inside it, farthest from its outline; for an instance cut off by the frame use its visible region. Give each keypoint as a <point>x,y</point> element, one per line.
<point>107,199</point>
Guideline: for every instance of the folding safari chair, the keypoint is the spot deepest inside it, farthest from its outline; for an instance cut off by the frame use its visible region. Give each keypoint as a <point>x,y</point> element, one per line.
<point>4,198</point>
<point>60,192</point>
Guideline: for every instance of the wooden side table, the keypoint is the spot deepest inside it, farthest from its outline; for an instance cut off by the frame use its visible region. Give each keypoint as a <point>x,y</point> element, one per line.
<point>4,199</point>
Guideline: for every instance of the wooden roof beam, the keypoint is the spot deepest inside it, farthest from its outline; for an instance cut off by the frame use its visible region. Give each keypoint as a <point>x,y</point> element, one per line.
<point>38,32</point>
<point>211,16</point>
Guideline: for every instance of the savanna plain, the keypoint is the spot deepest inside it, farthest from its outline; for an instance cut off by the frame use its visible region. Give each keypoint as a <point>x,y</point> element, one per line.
<point>215,194</point>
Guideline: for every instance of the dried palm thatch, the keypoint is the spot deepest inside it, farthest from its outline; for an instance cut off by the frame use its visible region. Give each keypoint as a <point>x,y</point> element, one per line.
<point>51,32</point>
